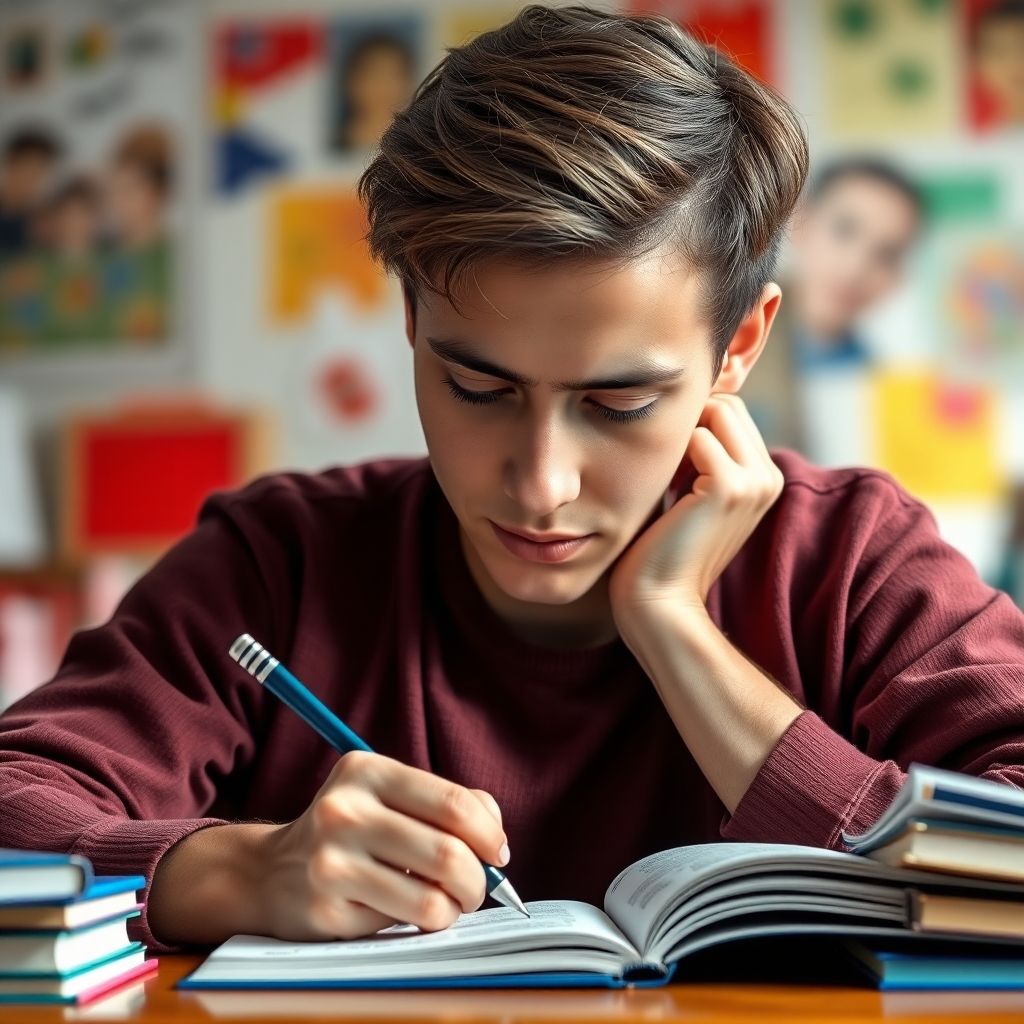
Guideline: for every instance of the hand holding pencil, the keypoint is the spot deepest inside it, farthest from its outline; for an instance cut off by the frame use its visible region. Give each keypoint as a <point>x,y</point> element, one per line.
<point>382,842</point>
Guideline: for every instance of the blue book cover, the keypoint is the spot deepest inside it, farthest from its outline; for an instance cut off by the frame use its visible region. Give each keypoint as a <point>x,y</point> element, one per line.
<point>33,876</point>
<point>533,979</point>
<point>98,887</point>
<point>85,982</point>
<point>894,969</point>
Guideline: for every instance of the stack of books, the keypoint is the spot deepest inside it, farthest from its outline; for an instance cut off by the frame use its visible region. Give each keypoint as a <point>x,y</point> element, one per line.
<point>64,931</point>
<point>956,826</point>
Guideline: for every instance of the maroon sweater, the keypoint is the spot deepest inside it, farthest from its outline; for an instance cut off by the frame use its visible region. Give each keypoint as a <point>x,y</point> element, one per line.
<point>355,579</point>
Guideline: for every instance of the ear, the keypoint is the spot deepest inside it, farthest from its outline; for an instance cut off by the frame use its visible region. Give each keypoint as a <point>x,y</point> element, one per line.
<point>749,340</point>
<point>410,315</point>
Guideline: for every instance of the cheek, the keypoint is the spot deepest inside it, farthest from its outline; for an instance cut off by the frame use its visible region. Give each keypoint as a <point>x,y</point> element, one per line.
<point>636,476</point>
<point>458,453</point>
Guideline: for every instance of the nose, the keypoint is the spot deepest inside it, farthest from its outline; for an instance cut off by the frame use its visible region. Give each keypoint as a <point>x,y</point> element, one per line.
<point>544,473</point>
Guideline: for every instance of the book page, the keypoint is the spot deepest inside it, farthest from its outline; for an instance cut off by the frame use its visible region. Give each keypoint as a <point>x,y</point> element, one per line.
<point>499,933</point>
<point>642,895</point>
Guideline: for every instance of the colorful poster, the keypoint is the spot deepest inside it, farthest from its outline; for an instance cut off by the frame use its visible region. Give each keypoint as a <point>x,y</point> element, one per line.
<point>890,67</point>
<point>465,23</point>
<point>742,29</point>
<point>251,55</point>
<point>938,438</point>
<point>961,197</point>
<point>90,178</point>
<point>994,42</point>
<point>316,243</point>
<point>251,60</point>
<point>976,298</point>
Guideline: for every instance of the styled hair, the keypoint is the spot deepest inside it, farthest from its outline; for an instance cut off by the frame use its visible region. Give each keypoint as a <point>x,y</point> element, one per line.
<point>572,133</point>
<point>872,168</point>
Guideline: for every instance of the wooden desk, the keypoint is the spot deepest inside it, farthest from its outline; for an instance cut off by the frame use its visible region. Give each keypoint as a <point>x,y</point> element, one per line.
<point>157,1002</point>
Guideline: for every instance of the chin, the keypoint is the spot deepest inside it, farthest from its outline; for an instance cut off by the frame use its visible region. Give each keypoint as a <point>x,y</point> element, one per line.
<point>541,585</point>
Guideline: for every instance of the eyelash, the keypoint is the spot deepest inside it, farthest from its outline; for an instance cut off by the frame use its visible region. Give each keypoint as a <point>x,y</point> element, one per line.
<point>487,397</point>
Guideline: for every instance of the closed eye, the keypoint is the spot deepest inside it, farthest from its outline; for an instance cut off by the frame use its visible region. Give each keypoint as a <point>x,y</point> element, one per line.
<point>489,397</point>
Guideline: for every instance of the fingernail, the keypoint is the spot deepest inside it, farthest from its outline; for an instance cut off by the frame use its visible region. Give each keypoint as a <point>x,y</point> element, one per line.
<point>503,855</point>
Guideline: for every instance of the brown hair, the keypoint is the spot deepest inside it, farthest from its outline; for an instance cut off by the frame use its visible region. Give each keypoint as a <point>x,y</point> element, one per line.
<point>573,133</point>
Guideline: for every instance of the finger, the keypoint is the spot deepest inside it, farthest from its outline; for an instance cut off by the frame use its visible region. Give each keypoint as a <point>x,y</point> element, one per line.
<point>446,805</point>
<point>352,920</point>
<point>488,801</point>
<point>768,475</point>
<point>721,418</point>
<point>747,421</point>
<point>714,465</point>
<point>439,857</point>
<point>399,896</point>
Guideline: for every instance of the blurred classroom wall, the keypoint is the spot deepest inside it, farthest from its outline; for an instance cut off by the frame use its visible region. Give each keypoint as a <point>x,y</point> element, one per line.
<point>185,300</point>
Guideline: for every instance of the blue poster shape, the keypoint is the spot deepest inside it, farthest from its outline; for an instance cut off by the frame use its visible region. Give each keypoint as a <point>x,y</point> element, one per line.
<point>242,157</point>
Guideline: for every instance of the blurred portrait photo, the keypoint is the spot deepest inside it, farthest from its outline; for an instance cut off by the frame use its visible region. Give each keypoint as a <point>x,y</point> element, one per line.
<point>996,60</point>
<point>374,68</point>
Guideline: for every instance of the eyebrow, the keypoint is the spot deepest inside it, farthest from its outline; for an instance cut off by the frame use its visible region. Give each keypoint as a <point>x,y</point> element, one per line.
<point>642,374</point>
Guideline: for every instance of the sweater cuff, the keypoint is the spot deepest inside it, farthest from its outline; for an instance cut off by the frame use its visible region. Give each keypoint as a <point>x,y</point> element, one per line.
<point>810,787</point>
<point>120,846</point>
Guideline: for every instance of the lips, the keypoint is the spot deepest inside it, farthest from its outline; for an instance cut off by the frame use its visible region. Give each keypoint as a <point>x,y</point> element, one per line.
<point>556,548</point>
<point>541,538</point>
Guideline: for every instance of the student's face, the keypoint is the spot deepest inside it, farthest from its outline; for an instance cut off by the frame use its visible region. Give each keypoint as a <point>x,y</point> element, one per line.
<point>1000,64</point>
<point>544,460</point>
<point>850,247</point>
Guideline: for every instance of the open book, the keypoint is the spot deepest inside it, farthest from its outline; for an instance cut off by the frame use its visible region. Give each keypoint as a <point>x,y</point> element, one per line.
<point>656,912</point>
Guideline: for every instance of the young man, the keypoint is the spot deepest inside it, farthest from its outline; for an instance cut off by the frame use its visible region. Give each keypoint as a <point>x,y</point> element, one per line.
<point>602,620</point>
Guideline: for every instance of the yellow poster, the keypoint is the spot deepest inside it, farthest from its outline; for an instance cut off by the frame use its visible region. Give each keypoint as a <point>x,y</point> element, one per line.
<point>316,242</point>
<point>889,67</point>
<point>938,438</point>
<point>466,23</point>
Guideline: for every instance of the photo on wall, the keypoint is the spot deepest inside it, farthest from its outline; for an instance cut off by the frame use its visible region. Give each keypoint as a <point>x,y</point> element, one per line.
<point>90,185</point>
<point>995,64</point>
<point>375,62</point>
<point>87,249</point>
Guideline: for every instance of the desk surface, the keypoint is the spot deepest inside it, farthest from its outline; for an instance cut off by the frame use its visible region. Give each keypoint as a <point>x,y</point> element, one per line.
<point>157,1001</point>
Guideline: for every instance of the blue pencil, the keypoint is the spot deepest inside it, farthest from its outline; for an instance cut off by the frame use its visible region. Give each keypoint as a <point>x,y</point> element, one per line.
<point>268,671</point>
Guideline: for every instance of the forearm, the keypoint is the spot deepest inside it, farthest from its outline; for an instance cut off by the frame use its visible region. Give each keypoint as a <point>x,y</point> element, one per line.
<point>728,712</point>
<point>206,888</point>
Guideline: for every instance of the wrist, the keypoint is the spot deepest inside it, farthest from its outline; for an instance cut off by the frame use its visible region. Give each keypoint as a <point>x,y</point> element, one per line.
<point>651,621</point>
<point>206,887</point>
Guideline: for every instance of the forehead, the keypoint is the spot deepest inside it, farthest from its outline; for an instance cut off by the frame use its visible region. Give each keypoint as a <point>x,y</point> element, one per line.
<point>652,302</point>
<point>867,197</point>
